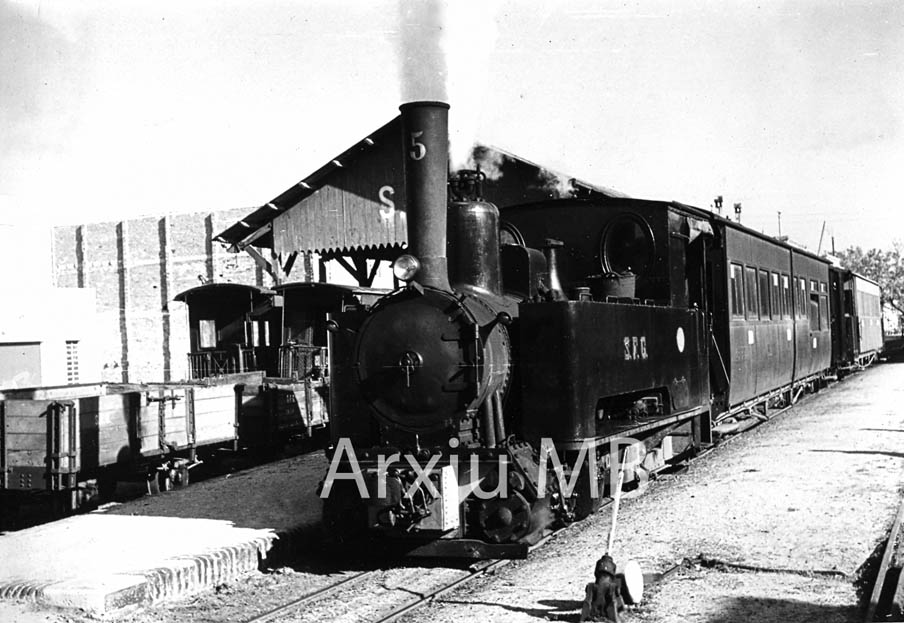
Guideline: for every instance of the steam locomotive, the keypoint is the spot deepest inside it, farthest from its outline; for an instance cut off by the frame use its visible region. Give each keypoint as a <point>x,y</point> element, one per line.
<point>527,356</point>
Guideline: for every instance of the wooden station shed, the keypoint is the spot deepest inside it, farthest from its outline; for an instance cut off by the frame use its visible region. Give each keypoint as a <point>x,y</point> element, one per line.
<point>352,209</point>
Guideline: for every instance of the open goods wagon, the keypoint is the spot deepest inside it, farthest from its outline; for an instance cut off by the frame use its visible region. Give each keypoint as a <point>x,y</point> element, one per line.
<point>76,441</point>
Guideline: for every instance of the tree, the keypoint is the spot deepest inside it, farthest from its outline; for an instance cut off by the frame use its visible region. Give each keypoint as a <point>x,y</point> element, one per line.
<point>884,267</point>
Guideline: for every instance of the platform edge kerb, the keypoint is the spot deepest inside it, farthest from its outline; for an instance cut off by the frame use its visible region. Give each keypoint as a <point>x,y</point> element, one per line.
<point>190,574</point>
<point>116,592</point>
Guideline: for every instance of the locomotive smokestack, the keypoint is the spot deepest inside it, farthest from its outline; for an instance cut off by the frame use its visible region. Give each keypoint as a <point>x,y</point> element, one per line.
<point>425,132</point>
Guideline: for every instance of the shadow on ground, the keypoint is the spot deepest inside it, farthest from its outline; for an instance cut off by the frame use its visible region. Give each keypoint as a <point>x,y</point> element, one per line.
<point>544,609</point>
<point>769,609</point>
<point>897,455</point>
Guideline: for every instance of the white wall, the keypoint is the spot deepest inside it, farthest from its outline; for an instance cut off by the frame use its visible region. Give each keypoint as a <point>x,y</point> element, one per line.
<point>35,312</point>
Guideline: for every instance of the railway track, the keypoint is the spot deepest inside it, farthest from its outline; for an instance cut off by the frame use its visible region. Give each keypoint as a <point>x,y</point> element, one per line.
<point>279,613</point>
<point>297,609</point>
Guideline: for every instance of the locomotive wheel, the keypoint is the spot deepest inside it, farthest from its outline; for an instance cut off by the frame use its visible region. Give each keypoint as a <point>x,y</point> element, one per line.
<point>504,520</point>
<point>584,503</point>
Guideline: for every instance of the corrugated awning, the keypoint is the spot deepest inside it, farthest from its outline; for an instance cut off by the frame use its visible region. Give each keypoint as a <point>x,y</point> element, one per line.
<point>355,204</point>
<point>256,228</point>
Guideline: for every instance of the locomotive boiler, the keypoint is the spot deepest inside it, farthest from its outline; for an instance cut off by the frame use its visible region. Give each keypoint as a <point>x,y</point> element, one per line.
<point>490,395</point>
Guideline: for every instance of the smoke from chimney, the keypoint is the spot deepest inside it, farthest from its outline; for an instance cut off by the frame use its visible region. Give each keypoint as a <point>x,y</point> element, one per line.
<point>421,54</point>
<point>556,185</point>
<point>489,160</point>
<point>445,52</point>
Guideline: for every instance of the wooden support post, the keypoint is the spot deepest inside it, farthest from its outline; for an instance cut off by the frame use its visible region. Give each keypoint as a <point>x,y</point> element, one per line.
<point>352,270</point>
<point>290,262</point>
<point>236,424</point>
<point>161,420</point>
<point>262,262</point>
<point>190,423</point>
<point>372,274</point>
<point>361,272</point>
<point>278,275</point>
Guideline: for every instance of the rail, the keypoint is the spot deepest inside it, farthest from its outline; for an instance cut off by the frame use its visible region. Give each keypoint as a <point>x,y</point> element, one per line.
<point>277,613</point>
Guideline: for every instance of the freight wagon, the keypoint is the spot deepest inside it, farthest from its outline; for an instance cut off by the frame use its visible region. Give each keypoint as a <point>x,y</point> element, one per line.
<point>259,377</point>
<point>76,441</point>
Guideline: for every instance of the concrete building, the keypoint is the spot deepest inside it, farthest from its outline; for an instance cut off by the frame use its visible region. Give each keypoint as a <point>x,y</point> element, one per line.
<point>53,341</point>
<point>48,336</point>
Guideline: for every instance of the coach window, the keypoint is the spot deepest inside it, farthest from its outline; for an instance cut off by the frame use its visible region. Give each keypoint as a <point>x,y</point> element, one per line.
<point>776,297</point>
<point>814,312</point>
<point>257,333</point>
<point>207,333</point>
<point>786,297</point>
<point>737,291</point>
<point>793,308</point>
<point>753,305</point>
<point>764,294</point>
<point>802,299</point>
<point>823,312</point>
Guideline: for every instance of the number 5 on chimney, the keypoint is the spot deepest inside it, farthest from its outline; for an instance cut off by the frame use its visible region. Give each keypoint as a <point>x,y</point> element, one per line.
<point>418,150</point>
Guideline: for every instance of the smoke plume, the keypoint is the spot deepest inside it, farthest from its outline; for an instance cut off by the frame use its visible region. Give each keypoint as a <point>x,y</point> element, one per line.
<point>445,51</point>
<point>421,50</point>
<point>489,160</point>
<point>558,186</point>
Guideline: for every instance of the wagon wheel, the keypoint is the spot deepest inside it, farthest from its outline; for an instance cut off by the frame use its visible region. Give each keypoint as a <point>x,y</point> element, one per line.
<point>153,483</point>
<point>165,482</point>
<point>182,477</point>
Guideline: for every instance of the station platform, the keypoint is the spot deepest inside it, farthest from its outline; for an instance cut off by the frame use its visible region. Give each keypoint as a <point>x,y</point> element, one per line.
<point>164,546</point>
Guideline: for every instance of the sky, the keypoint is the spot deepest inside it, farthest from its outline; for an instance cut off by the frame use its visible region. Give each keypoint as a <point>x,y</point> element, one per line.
<point>113,110</point>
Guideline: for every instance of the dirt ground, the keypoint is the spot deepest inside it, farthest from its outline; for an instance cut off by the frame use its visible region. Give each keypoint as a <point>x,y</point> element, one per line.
<point>812,491</point>
<point>280,496</point>
<point>727,596</point>
<point>809,496</point>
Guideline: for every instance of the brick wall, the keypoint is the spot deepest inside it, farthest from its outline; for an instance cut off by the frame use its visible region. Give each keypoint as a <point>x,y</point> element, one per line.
<point>137,267</point>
